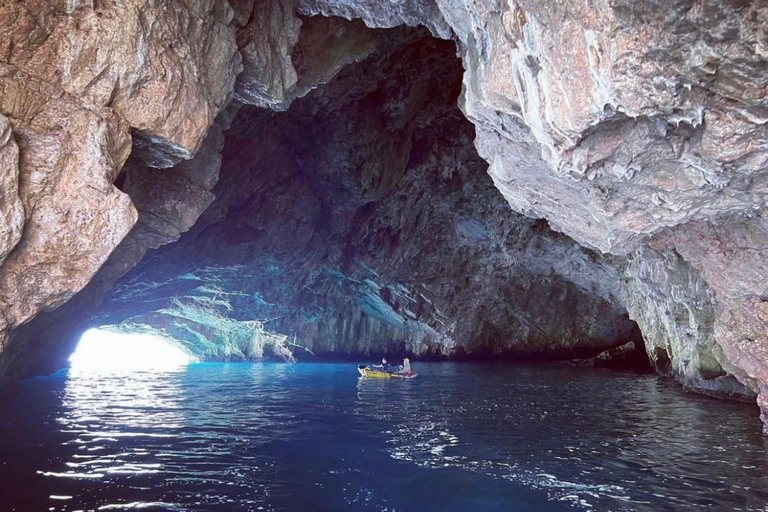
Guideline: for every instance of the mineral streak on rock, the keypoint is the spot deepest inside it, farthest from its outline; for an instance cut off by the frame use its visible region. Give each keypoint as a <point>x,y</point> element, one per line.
<point>732,259</point>
<point>676,311</point>
<point>617,120</point>
<point>11,208</point>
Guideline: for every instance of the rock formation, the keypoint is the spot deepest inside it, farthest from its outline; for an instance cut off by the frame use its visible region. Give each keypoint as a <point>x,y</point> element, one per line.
<point>637,129</point>
<point>363,222</point>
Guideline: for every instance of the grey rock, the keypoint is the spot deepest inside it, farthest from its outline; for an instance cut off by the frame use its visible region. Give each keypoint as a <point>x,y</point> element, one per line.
<point>608,120</point>
<point>626,356</point>
<point>676,311</point>
<point>382,14</point>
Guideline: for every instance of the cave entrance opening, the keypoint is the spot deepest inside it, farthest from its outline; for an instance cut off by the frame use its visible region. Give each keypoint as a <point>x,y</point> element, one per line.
<point>103,349</point>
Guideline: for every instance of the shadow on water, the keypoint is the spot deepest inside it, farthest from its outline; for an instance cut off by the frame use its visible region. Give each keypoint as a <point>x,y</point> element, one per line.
<point>316,437</point>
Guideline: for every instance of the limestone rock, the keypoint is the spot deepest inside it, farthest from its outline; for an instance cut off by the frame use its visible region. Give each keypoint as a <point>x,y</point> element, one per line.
<point>676,310</point>
<point>266,43</point>
<point>167,69</point>
<point>733,258</point>
<point>328,45</point>
<point>70,152</point>
<point>382,14</point>
<point>285,58</point>
<point>11,209</point>
<point>161,70</point>
<point>617,120</point>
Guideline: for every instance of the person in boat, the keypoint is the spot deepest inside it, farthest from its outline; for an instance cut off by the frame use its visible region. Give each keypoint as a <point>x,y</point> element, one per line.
<point>405,369</point>
<point>385,366</point>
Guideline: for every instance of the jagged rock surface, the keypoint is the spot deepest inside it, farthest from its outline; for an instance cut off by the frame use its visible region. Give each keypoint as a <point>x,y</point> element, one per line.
<point>732,259</point>
<point>11,208</point>
<point>73,216</point>
<point>166,69</point>
<point>617,120</point>
<point>168,202</point>
<point>626,124</point>
<point>676,311</point>
<point>74,79</point>
<point>380,236</point>
<point>382,14</point>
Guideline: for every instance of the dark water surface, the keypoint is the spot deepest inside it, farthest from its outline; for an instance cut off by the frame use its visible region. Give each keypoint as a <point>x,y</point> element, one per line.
<point>314,437</point>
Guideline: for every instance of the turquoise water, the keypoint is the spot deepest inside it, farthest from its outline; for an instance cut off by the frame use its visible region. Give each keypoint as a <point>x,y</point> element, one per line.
<point>315,437</point>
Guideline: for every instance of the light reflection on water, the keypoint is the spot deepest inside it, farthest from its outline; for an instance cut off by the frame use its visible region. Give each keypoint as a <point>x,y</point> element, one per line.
<point>314,437</point>
<point>101,409</point>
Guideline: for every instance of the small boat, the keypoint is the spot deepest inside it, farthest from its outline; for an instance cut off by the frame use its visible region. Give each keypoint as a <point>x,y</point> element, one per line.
<point>367,371</point>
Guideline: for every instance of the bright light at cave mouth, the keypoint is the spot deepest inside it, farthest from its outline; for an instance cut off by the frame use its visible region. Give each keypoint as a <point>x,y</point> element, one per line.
<point>102,349</point>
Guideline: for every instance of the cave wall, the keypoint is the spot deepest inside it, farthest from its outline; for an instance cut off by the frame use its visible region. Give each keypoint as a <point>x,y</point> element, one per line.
<point>639,128</point>
<point>632,126</point>
<point>362,221</point>
<point>635,128</point>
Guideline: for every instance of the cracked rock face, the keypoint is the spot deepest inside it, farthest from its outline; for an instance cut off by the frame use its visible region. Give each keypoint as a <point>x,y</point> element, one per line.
<point>11,209</point>
<point>637,129</point>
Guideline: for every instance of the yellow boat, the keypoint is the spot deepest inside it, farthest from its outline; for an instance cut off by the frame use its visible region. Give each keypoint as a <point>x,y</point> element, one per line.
<point>367,371</point>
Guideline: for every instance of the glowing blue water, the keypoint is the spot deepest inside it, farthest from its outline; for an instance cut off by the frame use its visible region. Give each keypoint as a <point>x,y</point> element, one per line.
<point>313,437</point>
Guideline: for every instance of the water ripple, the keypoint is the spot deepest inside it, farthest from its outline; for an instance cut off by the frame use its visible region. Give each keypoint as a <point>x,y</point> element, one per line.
<point>271,437</point>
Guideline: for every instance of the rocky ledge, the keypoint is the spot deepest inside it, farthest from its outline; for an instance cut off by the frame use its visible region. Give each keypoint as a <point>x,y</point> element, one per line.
<point>300,169</point>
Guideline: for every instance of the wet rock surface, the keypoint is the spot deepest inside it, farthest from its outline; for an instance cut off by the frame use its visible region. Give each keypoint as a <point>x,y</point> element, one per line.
<point>630,355</point>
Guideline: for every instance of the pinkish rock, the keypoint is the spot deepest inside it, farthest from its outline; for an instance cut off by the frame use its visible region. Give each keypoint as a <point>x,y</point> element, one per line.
<point>11,209</point>
<point>75,217</point>
<point>167,70</point>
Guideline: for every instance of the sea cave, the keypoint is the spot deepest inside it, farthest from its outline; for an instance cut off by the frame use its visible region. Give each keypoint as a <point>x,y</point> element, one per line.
<point>219,217</point>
